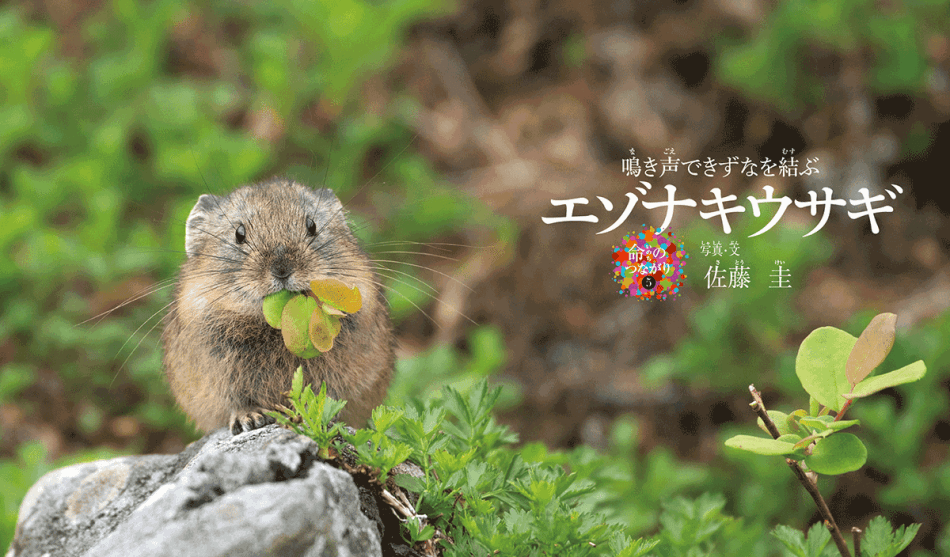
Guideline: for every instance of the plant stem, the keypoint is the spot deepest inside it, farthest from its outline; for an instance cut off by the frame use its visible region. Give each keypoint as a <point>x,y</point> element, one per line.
<point>856,532</point>
<point>810,486</point>
<point>843,409</point>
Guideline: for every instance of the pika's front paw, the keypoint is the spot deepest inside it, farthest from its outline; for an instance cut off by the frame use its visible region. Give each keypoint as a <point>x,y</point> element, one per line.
<point>249,420</point>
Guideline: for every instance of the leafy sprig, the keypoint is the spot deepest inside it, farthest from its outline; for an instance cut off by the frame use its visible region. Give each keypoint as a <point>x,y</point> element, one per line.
<point>474,489</point>
<point>309,321</point>
<point>311,414</point>
<point>834,368</point>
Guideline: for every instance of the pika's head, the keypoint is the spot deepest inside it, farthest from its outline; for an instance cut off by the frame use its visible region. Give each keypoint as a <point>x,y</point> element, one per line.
<point>260,239</point>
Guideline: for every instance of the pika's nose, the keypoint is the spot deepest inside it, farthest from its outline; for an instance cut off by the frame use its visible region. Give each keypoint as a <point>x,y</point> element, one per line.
<point>281,270</point>
<point>281,267</point>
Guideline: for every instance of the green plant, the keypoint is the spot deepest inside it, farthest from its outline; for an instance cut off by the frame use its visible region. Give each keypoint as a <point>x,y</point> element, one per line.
<point>631,489</point>
<point>313,414</point>
<point>374,447</point>
<point>834,368</point>
<point>462,452</point>
<point>474,489</point>
<point>903,430</point>
<point>699,527</point>
<point>771,63</point>
<point>485,496</point>
<point>421,377</point>
<point>16,477</point>
<point>880,539</point>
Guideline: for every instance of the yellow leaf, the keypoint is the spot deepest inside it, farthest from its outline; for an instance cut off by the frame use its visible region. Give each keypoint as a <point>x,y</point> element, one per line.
<point>338,294</point>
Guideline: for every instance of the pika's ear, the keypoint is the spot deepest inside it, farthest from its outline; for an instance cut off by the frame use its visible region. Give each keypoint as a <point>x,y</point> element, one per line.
<point>195,225</point>
<point>329,202</point>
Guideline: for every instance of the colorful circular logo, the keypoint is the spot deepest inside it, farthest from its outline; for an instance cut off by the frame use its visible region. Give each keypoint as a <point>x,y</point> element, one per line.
<point>649,265</point>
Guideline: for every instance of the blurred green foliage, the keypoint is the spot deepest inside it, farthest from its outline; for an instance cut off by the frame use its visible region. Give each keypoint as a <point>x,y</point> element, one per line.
<point>898,427</point>
<point>631,487</point>
<point>776,62</point>
<point>740,332</point>
<point>18,474</point>
<point>422,376</point>
<point>84,209</point>
<point>16,477</point>
<point>104,150</point>
<point>102,155</point>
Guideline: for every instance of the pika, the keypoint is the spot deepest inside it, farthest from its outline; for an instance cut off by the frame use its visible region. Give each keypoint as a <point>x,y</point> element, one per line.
<point>225,364</point>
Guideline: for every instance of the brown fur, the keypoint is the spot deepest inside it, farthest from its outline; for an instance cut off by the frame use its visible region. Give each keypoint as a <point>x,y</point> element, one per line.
<point>222,359</point>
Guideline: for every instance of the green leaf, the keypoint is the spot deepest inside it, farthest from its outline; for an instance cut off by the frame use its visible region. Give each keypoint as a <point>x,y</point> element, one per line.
<point>622,546</point>
<point>827,423</point>
<point>296,385</point>
<point>837,454</point>
<point>822,424</point>
<point>816,421</point>
<point>781,422</point>
<point>843,424</point>
<point>687,524</point>
<point>806,441</point>
<point>329,407</point>
<point>426,533</point>
<point>821,365</point>
<point>411,483</point>
<point>791,539</point>
<point>798,445</point>
<point>294,323</point>
<point>872,347</point>
<point>818,538</point>
<point>761,446</point>
<point>906,374</point>
<point>881,540</point>
<point>385,417</point>
<point>274,306</point>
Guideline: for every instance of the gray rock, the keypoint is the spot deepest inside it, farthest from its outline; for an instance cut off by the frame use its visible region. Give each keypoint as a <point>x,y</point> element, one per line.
<point>259,493</point>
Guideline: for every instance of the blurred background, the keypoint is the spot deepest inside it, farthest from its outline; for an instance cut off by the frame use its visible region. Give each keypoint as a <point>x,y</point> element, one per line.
<point>447,128</point>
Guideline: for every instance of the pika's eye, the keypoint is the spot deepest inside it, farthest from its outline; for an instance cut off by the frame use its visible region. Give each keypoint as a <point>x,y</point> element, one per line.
<point>239,235</point>
<point>311,227</point>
